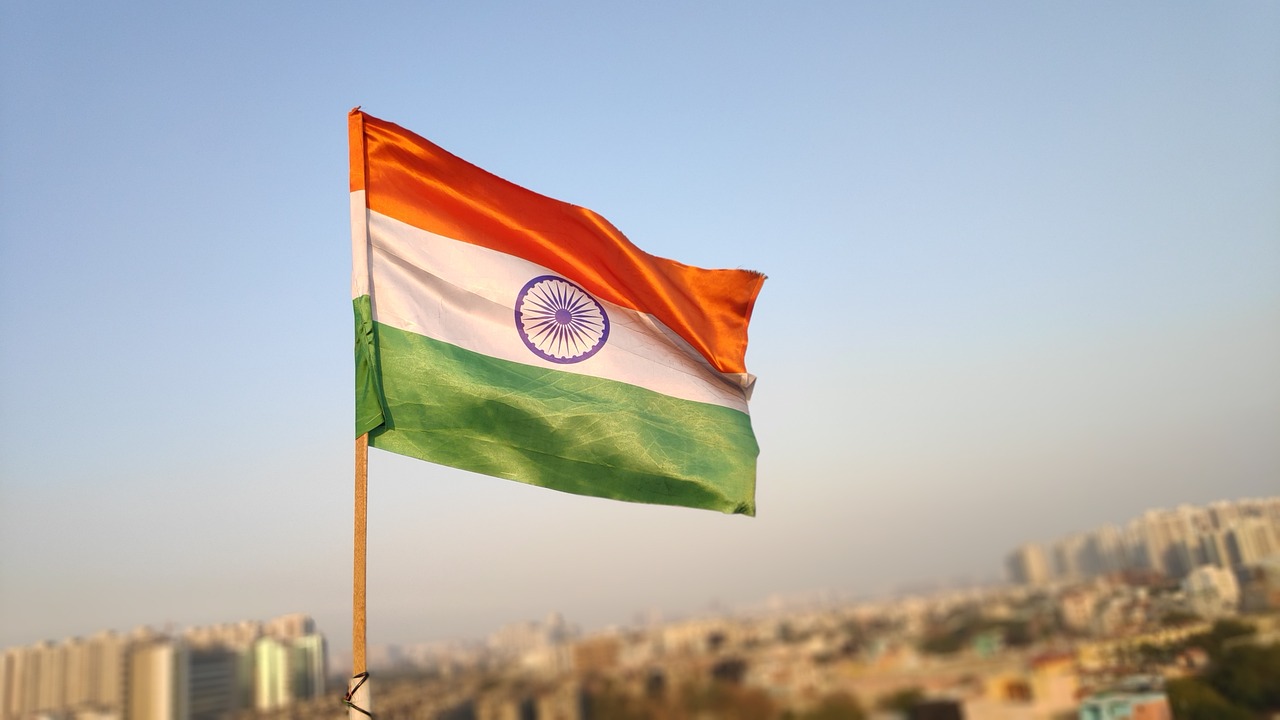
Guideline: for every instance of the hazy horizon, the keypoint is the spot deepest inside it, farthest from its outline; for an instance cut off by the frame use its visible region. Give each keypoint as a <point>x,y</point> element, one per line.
<point>607,617</point>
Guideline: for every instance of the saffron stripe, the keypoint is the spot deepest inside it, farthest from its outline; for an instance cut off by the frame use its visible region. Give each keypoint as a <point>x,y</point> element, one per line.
<point>413,180</point>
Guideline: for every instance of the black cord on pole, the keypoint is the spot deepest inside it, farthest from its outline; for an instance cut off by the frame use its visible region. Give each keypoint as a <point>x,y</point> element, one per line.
<point>346,699</point>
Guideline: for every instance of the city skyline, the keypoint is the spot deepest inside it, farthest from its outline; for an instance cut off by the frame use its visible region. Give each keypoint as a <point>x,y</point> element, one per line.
<point>201,673</point>
<point>918,587</point>
<point>1024,279</point>
<point>1171,542</point>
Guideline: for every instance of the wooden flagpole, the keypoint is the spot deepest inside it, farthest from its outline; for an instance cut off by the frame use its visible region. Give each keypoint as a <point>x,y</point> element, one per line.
<point>359,702</point>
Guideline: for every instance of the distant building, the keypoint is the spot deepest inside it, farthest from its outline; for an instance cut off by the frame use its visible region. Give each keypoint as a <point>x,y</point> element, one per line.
<point>1211,591</point>
<point>291,627</point>
<point>1069,558</point>
<point>565,702</point>
<point>287,670</point>
<point>1075,609</point>
<point>517,639</point>
<point>1104,552</point>
<point>106,671</point>
<point>1169,543</point>
<point>51,678</point>
<point>1223,514</point>
<point>212,683</point>
<point>157,686</point>
<point>1252,541</point>
<point>1126,705</point>
<point>1260,587</point>
<point>596,654</point>
<point>1215,550</point>
<point>1028,565</point>
<point>308,666</point>
<point>208,673</point>
<point>1166,537</point>
<point>270,674</point>
<point>14,671</point>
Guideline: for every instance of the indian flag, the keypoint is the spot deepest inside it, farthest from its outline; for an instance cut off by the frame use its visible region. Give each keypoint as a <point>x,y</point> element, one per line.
<point>510,334</point>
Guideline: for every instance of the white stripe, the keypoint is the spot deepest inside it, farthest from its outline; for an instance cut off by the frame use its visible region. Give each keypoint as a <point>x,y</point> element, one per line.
<point>359,245</point>
<point>465,295</point>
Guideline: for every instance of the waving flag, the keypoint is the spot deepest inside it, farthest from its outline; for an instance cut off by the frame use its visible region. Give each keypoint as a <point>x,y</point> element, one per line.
<point>510,334</point>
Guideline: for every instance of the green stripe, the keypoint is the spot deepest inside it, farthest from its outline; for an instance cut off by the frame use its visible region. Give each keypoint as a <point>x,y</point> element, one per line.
<point>370,408</point>
<point>555,429</point>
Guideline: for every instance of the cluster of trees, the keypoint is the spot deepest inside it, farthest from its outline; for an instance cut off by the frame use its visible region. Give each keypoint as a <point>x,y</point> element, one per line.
<point>955,636</point>
<point>1242,680</point>
<point>717,699</point>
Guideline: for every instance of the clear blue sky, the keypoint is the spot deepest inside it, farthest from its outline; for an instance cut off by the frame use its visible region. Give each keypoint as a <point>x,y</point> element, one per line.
<point>1024,265</point>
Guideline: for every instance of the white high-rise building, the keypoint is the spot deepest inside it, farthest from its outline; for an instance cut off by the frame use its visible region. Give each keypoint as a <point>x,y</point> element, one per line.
<point>209,673</point>
<point>1252,541</point>
<point>286,670</point>
<point>270,674</point>
<point>1167,536</point>
<point>1171,542</point>
<point>1211,591</point>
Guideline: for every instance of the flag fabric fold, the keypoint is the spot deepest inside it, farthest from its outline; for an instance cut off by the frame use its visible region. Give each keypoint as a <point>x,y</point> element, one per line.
<point>510,334</point>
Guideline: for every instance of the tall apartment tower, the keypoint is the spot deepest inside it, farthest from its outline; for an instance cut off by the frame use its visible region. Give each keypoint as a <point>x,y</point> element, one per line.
<point>51,685</point>
<point>106,670</point>
<point>286,670</point>
<point>1252,541</point>
<point>1215,549</point>
<point>1104,552</point>
<point>309,662</point>
<point>1028,565</point>
<point>13,681</point>
<point>270,674</point>
<point>211,683</point>
<point>1223,514</point>
<point>1069,558</point>
<point>76,666</point>
<point>158,683</point>
<point>1167,537</point>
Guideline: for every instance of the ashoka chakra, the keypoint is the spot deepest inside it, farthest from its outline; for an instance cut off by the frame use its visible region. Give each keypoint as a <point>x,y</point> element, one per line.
<point>559,321</point>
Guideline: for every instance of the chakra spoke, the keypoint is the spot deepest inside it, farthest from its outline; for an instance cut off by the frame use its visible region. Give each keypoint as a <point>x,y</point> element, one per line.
<point>559,321</point>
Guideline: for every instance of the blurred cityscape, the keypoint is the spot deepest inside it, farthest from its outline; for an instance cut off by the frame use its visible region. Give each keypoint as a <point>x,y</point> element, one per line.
<point>222,671</point>
<point>1174,615</point>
